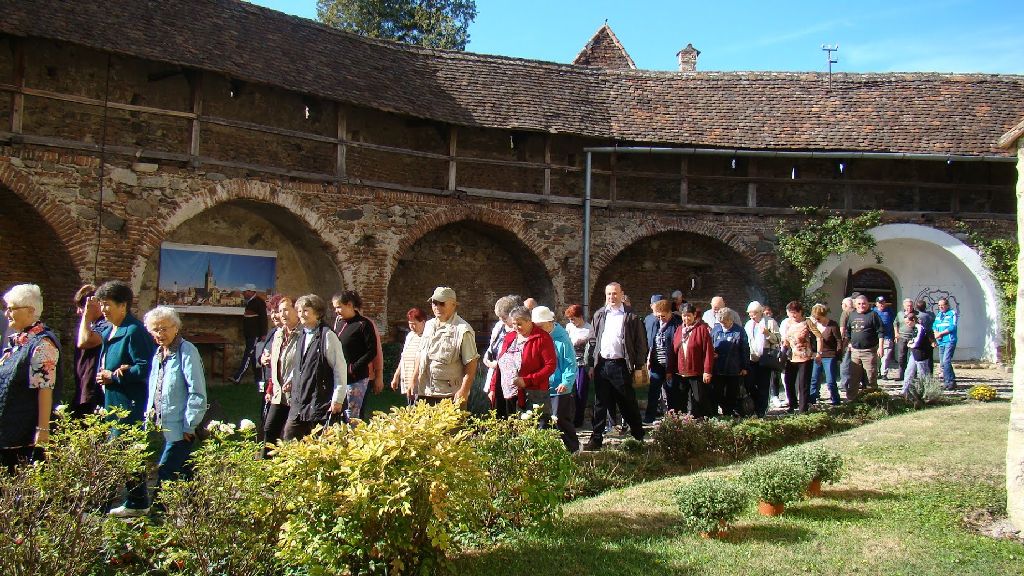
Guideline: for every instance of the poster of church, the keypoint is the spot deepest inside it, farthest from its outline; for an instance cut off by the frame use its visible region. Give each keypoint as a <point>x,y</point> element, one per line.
<point>204,279</point>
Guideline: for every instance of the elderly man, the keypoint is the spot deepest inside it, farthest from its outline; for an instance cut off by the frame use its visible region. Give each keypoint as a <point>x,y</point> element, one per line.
<point>710,316</point>
<point>864,330</point>
<point>677,301</point>
<point>616,360</point>
<point>254,327</point>
<point>447,361</point>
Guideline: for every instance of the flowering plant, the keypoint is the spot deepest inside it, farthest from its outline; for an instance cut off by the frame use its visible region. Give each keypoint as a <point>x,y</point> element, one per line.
<point>982,393</point>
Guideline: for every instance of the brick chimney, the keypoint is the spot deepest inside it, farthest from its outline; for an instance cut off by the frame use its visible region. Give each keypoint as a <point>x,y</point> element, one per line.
<point>688,58</point>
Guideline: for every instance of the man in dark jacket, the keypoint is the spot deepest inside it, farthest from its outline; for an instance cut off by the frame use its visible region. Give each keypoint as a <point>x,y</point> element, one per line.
<point>619,354</point>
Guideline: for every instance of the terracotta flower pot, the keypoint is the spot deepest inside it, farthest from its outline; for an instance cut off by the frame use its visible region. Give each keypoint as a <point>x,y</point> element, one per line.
<point>769,509</point>
<point>814,488</point>
<point>720,533</point>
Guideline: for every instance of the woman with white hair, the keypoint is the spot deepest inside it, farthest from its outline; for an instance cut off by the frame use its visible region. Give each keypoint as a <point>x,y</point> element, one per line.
<point>28,375</point>
<point>177,398</point>
<point>503,326</point>
<point>763,337</point>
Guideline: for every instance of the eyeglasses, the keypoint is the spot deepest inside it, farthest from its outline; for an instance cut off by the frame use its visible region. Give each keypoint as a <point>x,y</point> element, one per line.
<point>14,308</point>
<point>159,329</point>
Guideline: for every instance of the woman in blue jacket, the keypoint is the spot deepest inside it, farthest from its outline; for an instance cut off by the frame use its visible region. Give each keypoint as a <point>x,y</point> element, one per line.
<point>944,328</point>
<point>177,398</point>
<point>732,353</point>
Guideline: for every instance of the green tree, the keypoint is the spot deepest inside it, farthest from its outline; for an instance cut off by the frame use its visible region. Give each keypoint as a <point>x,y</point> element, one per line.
<point>430,23</point>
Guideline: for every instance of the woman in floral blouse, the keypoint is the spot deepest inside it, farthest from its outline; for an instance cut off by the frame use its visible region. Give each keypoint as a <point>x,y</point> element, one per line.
<point>28,374</point>
<point>802,338</point>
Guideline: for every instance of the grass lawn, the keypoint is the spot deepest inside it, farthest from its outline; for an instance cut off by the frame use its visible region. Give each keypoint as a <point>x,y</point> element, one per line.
<point>910,480</point>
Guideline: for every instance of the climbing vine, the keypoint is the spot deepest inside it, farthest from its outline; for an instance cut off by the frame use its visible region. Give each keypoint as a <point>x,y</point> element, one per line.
<point>1000,258</point>
<point>804,244</point>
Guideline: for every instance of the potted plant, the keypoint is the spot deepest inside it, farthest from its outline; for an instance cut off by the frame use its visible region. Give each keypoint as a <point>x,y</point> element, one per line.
<point>775,482</point>
<point>821,464</point>
<point>709,505</point>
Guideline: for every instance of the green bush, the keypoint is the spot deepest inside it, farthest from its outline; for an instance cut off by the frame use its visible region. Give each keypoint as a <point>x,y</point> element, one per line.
<point>819,462</point>
<point>881,400</point>
<point>923,391</point>
<point>388,496</point>
<point>49,510</point>
<point>680,437</point>
<point>528,470</point>
<point>775,480</point>
<point>710,504</point>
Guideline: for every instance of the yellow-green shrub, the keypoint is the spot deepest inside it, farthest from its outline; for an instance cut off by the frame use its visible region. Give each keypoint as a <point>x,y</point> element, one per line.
<point>384,497</point>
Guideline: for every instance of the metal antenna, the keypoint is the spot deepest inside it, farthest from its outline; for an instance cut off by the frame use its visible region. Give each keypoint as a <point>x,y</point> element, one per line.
<point>829,49</point>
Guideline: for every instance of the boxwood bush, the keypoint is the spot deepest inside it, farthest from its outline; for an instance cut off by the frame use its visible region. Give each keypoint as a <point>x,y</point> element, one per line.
<point>710,504</point>
<point>775,480</point>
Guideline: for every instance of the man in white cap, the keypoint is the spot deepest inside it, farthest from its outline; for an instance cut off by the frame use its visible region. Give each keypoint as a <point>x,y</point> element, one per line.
<point>563,380</point>
<point>447,361</point>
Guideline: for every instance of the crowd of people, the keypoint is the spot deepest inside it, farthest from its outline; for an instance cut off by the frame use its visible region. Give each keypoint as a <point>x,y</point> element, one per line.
<point>310,373</point>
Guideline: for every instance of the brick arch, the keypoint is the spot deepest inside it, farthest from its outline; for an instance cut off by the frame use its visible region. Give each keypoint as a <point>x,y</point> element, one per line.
<point>231,191</point>
<point>496,218</point>
<point>77,243</point>
<point>640,230</point>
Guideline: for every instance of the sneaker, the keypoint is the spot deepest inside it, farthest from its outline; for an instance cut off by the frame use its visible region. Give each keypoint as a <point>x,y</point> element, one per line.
<point>126,512</point>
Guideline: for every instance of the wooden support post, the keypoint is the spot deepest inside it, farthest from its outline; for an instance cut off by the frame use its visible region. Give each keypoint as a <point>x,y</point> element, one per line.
<point>954,201</point>
<point>684,181</point>
<point>547,164</point>
<point>611,179</point>
<point>196,81</point>
<point>848,198</point>
<point>751,186</point>
<point>18,98</point>
<point>453,137</point>
<point>340,146</point>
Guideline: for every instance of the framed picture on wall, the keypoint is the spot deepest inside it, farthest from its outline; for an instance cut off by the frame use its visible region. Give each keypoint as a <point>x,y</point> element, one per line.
<point>202,279</point>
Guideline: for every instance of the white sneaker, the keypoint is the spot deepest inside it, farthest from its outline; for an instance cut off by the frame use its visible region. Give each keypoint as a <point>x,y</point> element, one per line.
<point>126,512</point>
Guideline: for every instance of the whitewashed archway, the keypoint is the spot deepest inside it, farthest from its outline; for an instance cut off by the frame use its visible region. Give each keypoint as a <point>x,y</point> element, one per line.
<point>927,261</point>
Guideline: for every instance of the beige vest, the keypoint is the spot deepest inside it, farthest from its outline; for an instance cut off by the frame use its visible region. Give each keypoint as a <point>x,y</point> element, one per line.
<point>440,363</point>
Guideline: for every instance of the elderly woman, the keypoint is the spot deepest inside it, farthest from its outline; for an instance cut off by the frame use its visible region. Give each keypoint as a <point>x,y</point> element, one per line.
<point>827,358</point>
<point>262,352</point>
<point>359,343</point>
<point>581,333</point>
<point>562,379</point>
<point>402,380</point>
<point>126,349</point>
<point>503,326</point>
<point>732,355</point>
<point>525,363</point>
<point>281,361</point>
<point>318,382</point>
<point>763,337</point>
<point>661,358</point>
<point>798,337</point>
<point>695,362</point>
<point>88,392</point>
<point>177,398</point>
<point>28,375</point>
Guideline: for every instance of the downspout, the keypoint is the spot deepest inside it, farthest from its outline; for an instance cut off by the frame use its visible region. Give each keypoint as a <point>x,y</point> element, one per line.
<point>586,239</point>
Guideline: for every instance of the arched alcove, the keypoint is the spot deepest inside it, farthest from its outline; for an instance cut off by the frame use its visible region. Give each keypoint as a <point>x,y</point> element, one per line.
<point>481,261</point>
<point>699,265</point>
<point>926,264</point>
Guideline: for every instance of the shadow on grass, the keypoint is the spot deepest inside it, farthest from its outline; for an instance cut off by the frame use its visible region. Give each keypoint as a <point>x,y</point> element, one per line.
<point>825,512</point>
<point>854,494</point>
<point>602,544</point>
<point>775,533</point>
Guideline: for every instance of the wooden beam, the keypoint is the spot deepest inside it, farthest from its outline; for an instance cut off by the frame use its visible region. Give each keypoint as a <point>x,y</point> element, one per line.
<point>18,99</point>
<point>269,129</point>
<point>453,137</point>
<point>94,102</point>
<point>340,149</point>
<point>684,181</point>
<point>612,192</point>
<point>547,164</point>
<point>752,186</point>
<point>848,198</point>
<point>954,201</point>
<point>195,79</point>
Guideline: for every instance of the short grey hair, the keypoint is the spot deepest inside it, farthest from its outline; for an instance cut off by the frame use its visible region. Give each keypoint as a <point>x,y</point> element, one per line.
<point>312,301</point>
<point>162,313</point>
<point>724,312</point>
<point>505,304</point>
<point>520,312</point>
<point>29,295</point>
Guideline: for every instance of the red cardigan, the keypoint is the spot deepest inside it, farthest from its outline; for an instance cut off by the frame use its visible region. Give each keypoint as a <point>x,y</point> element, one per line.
<point>699,347</point>
<point>539,360</point>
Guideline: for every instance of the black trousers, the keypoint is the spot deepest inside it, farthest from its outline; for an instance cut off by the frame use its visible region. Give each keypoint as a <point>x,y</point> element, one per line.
<point>727,393</point>
<point>563,407</point>
<point>798,384</point>
<point>613,386</point>
<point>273,426</point>
<point>10,458</point>
<point>902,354</point>
<point>758,383</point>
<point>702,397</point>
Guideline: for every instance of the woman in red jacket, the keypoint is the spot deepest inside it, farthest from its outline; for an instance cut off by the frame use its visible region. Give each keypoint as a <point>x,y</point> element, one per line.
<point>526,362</point>
<point>695,359</point>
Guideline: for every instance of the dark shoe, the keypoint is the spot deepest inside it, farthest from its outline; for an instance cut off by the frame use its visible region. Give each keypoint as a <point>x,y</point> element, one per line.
<point>592,446</point>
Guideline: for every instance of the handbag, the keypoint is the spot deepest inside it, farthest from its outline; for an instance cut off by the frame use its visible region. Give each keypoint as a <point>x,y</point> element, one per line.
<point>774,359</point>
<point>644,379</point>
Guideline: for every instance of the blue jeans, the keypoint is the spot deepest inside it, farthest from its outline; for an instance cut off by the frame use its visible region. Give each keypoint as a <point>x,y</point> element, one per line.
<point>829,367</point>
<point>946,360</point>
<point>658,382</point>
<point>172,466</point>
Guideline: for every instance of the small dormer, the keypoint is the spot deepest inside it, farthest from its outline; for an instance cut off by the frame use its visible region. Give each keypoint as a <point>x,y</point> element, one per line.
<point>604,51</point>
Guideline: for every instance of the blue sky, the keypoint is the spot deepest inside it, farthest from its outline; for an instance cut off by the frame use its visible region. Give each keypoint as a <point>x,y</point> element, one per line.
<point>873,36</point>
<point>230,271</point>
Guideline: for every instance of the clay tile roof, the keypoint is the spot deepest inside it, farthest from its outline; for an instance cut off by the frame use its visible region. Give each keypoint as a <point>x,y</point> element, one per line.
<point>604,50</point>
<point>912,113</point>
